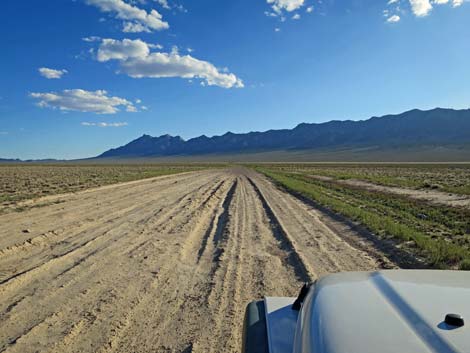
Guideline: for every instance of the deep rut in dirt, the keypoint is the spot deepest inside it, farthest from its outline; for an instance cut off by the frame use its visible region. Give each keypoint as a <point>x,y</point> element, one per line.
<point>161,265</point>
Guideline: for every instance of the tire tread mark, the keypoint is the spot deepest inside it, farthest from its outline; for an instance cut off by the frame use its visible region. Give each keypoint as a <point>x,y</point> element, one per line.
<point>294,258</point>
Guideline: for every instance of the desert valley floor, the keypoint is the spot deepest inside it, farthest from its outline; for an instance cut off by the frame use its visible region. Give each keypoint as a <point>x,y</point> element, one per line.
<point>165,264</point>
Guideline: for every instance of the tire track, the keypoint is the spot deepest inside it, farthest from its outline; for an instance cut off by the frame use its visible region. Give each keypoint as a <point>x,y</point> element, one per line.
<point>173,289</point>
<point>302,270</point>
<point>322,250</point>
<point>112,223</point>
<point>89,206</point>
<point>240,274</point>
<point>174,210</point>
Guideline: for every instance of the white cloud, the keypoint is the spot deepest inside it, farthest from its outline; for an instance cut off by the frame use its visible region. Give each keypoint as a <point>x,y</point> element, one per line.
<point>309,9</point>
<point>277,29</point>
<point>285,5</point>
<point>159,65</point>
<point>136,19</point>
<point>91,39</point>
<point>131,109</point>
<point>296,17</point>
<point>137,61</point>
<point>393,19</point>
<point>51,73</point>
<point>164,4</point>
<point>104,124</point>
<point>121,49</point>
<point>421,7</point>
<point>83,101</point>
<point>130,27</point>
<point>455,3</point>
<point>155,46</point>
<point>270,14</point>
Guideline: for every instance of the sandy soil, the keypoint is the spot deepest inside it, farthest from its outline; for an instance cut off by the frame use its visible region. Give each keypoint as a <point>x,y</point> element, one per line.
<point>432,196</point>
<point>161,265</point>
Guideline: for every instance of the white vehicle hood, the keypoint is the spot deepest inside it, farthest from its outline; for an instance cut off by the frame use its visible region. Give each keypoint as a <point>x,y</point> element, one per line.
<point>385,312</point>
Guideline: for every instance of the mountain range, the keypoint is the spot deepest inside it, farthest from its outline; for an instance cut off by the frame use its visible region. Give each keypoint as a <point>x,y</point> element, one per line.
<point>411,130</point>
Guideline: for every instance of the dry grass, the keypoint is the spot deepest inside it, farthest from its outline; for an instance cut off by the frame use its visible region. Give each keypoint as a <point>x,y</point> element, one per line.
<point>22,182</point>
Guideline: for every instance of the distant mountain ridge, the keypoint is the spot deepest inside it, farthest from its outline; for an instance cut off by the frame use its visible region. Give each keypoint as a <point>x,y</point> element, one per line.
<point>17,160</point>
<point>9,160</point>
<point>436,127</point>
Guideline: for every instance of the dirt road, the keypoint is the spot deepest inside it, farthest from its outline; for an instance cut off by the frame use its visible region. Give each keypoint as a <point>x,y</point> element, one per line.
<point>160,265</point>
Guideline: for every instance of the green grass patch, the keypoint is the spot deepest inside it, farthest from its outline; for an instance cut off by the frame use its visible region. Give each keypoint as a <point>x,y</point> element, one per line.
<point>454,178</point>
<point>439,234</point>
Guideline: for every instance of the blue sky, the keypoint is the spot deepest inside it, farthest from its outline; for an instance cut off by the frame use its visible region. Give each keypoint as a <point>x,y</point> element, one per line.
<point>79,77</point>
